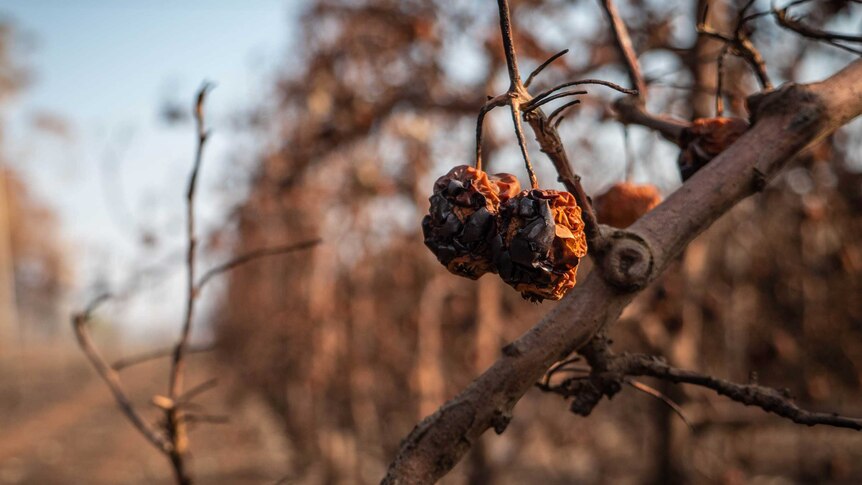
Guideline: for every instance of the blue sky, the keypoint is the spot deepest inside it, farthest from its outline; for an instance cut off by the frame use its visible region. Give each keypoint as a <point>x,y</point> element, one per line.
<point>105,68</point>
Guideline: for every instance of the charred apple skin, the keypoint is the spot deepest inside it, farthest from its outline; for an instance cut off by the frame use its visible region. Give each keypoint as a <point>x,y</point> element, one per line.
<point>462,218</point>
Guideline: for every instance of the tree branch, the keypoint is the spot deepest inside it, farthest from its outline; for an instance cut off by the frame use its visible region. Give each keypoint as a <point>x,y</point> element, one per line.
<point>768,399</point>
<point>631,112</point>
<point>141,358</point>
<point>832,38</point>
<point>786,121</point>
<point>176,426</point>
<point>624,44</point>
<point>252,256</point>
<point>112,380</point>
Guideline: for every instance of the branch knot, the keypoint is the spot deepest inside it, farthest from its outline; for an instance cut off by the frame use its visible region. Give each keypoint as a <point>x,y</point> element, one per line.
<point>627,262</point>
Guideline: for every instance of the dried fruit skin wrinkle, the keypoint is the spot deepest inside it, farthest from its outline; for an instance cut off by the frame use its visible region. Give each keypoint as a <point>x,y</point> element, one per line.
<point>540,243</point>
<point>479,223</point>
<point>463,218</point>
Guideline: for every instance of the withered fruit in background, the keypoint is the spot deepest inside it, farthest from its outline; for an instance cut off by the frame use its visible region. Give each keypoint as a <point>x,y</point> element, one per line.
<point>705,139</point>
<point>463,218</point>
<point>539,244</point>
<point>624,203</point>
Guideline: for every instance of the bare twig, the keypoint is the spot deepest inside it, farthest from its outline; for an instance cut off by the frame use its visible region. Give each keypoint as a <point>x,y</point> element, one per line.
<point>740,44</point>
<point>537,103</point>
<point>543,65</point>
<point>517,92</point>
<point>561,111</point>
<point>171,435</point>
<point>832,38</point>
<point>599,82</point>
<point>197,390</point>
<point>141,358</point>
<point>480,124</point>
<point>624,44</point>
<point>112,379</point>
<point>252,256</point>
<point>175,424</point>
<point>768,399</point>
<point>651,391</point>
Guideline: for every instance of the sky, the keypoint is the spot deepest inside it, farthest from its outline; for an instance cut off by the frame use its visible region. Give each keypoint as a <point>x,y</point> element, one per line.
<point>106,68</point>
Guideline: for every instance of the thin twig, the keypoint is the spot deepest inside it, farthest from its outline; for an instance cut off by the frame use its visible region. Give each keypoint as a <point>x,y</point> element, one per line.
<point>509,45</point>
<point>651,391</point>
<point>559,365</point>
<point>545,131</point>
<point>517,92</point>
<point>739,44</point>
<point>175,424</point>
<point>197,390</point>
<point>112,379</point>
<point>542,66</point>
<point>624,44</point>
<point>522,143</point>
<point>561,110</point>
<point>252,256</point>
<point>768,399</point>
<point>599,82</point>
<point>133,360</point>
<point>832,38</point>
<point>480,124</point>
<point>536,104</point>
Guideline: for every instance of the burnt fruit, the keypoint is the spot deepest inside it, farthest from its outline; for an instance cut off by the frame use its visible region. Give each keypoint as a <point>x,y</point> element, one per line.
<point>624,203</point>
<point>539,243</point>
<point>463,218</point>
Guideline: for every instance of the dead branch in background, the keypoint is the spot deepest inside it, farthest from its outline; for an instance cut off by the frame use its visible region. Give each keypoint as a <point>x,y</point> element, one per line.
<point>791,118</point>
<point>624,45</point>
<point>170,436</point>
<point>835,39</point>
<point>739,44</point>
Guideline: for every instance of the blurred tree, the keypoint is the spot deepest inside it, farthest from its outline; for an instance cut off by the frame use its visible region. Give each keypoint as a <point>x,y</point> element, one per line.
<point>353,345</point>
<point>33,273</point>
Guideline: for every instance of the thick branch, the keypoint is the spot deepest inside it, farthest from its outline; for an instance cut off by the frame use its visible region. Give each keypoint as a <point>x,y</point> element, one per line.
<point>786,121</point>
